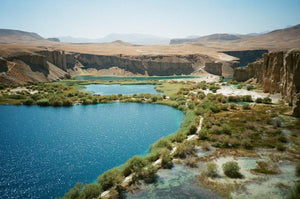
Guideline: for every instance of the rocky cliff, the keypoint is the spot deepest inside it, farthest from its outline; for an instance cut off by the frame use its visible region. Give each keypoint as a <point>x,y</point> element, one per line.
<point>42,66</point>
<point>277,72</point>
<point>247,56</point>
<point>47,65</point>
<point>214,68</point>
<point>160,65</point>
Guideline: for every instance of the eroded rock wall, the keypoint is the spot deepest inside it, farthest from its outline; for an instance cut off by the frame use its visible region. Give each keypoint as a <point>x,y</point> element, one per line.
<point>214,68</point>
<point>247,56</point>
<point>277,72</point>
<point>42,66</point>
<point>145,65</point>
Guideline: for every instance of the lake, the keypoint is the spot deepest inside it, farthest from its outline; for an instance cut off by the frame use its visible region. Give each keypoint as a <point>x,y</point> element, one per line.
<point>116,78</point>
<point>44,151</point>
<point>115,89</point>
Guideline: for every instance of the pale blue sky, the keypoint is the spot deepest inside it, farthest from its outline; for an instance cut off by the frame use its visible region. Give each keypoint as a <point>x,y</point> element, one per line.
<point>170,18</point>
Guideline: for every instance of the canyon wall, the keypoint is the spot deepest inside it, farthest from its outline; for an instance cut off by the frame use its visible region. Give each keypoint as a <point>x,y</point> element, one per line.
<point>46,66</point>
<point>277,72</point>
<point>43,66</point>
<point>247,56</point>
<point>152,65</point>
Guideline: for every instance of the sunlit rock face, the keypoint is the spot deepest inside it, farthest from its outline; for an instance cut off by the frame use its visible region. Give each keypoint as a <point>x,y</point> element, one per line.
<point>277,72</point>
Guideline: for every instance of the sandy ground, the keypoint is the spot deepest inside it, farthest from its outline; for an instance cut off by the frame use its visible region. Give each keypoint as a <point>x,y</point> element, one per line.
<point>231,91</point>
<point>20,89</point>
<point>210,78</point>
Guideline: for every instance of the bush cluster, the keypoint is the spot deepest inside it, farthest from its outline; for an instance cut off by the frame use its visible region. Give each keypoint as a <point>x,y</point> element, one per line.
<point>232,169</point>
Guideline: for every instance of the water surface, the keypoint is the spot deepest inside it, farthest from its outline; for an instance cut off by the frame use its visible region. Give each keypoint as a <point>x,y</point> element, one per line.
<point>115,89</point>
<point>116,78</point>
<point>44,151</point>
<point>178,182</point>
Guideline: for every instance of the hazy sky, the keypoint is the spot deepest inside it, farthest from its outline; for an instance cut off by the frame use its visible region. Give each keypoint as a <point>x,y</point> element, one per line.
<point>170,18</point>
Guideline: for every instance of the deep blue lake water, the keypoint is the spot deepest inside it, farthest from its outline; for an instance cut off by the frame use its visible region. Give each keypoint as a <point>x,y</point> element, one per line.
<point>116,78</point>
<point>115,89</point>
<point>44,151</point>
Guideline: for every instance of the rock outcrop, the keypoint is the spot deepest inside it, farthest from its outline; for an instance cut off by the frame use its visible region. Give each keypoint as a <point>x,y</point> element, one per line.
<point>247,56</point>
<point>277,72</point>
<point>43,66</point>
<point>214,68</point>
<point>47,65</point>
<point>152,65</point>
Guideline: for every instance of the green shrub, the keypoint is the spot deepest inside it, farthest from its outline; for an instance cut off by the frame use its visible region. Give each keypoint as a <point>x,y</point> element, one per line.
<point>225,129</point>
<point>280,147</point>
<point>240,86</point>
<point>152,157</point>
<point>28,102</point>
<point>57,102</point>
<point>193,129</point>
<point>210,105</point>
<point>282,138</point>
<point>246,107</point>
<point>201,95</point>
<point>246,143</point>
<point>298,169</point>
<point>17,96</point>
<point>250,87</point>
<point>246,98</point>
<point>217,130</point>
<point>91,191</point>
<point>134,164</point>
<point>43,102</point>
<point>161,143</point>
<point>267,100</point>
<point>185,149</point>
<point>232,169</point>
<point>295,192</point>
<point>210,169</point>
<point>147,174</point>
<point>67,102</point>
<point>75,191</point>
<point>258,100</point>
<point>232,106</point>
<point>166,160</point>
<point>110,178</point>
<point>234,99</point>
<point>178,136</point>
<point>203,134</point>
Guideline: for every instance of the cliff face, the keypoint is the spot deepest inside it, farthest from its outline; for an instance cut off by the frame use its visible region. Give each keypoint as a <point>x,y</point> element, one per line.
<point>214,68</point>
<point>276,72</point>
<point>247,56</point>
<point>145,65</point>
<point>43,66</point>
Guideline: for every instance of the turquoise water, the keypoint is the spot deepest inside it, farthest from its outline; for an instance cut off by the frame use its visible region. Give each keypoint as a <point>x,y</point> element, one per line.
<point>44,151</point>
<point>176,183</point>
<point>115,89</point>
<point>116,78</point>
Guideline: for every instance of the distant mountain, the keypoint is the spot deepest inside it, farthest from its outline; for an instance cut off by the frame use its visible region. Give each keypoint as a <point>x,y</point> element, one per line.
<point>17,36</point>
<point>139,39</point>
<point>283,37</point>
<point>222,37</point>
<point>53,39</point>
<point>70,39</point>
